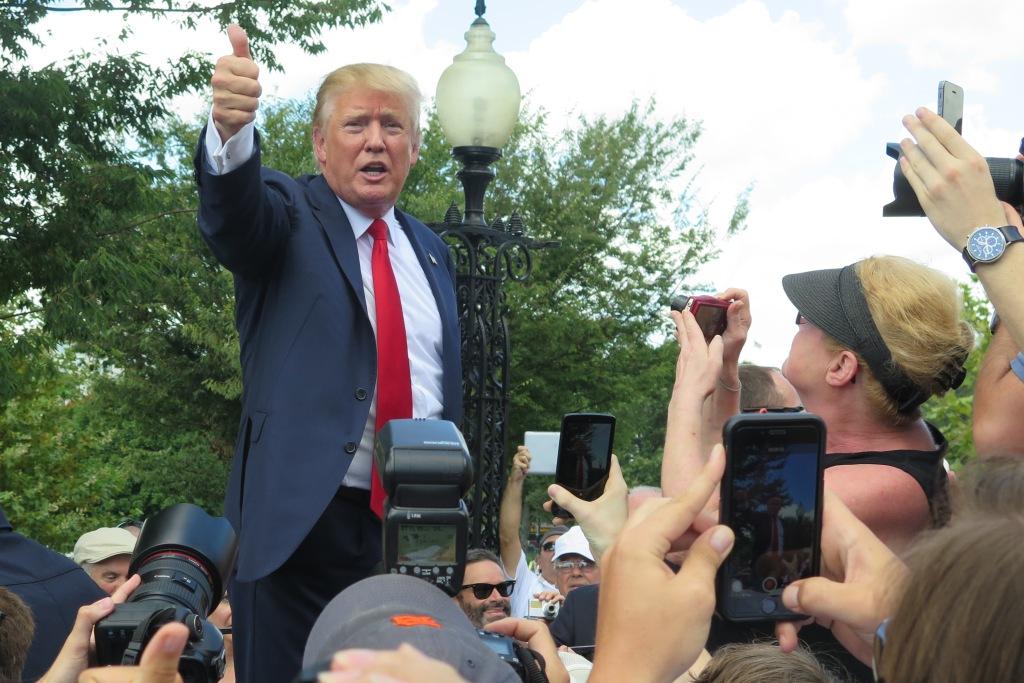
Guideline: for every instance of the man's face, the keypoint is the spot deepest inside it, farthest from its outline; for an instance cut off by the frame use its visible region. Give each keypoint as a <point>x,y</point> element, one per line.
<point>491,608</point>
<point>365,149</point>
<point>545,559</point>
<point>111,573</point>
<point>581,572</point>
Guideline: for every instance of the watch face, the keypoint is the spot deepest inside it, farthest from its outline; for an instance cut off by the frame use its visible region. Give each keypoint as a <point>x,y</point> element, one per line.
<point>986,244</point>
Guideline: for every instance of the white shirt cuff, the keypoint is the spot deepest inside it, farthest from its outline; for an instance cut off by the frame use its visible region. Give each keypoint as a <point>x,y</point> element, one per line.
<point>226,157</point>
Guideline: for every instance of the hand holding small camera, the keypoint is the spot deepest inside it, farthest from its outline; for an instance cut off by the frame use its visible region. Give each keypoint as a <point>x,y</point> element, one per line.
<point>738,320</point>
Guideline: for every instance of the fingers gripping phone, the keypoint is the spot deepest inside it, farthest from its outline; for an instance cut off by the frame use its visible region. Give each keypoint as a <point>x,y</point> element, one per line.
<point>584,456</point>
<point>951,104</point>
<point>709,312</point>
<point>771,499</point>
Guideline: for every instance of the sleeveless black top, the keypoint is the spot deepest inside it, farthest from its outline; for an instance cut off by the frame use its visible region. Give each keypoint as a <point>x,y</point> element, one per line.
<point>924,466</point>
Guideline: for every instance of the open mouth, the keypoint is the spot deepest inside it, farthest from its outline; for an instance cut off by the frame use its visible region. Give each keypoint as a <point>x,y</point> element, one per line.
<point>374,169</point>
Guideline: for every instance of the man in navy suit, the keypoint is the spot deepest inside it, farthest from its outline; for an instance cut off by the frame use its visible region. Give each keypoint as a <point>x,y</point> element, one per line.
<point>308,296</point>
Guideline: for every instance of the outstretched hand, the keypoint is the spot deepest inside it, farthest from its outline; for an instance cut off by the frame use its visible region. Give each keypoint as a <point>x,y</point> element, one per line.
<point>236,88</point>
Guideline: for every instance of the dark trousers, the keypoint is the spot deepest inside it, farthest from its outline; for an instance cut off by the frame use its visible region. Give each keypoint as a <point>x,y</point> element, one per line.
<point>272,616</point>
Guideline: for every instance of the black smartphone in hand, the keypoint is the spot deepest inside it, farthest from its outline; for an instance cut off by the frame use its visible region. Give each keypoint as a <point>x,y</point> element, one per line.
<point>584,456</point>
<point>771,499</point>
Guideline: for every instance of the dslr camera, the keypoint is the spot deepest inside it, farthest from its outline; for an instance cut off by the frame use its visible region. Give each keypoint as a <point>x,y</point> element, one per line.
<point>426,469</point>
<point>183,556</point>
<point>1007,174</point>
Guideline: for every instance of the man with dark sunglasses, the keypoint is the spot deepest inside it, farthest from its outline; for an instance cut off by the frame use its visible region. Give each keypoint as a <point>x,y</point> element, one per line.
<point>486,590</point>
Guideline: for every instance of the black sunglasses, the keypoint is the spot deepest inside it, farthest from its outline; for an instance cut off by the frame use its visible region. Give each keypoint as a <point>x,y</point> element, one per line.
<point>786,409</point>
<point>548,547</point>
<point>482,590</point>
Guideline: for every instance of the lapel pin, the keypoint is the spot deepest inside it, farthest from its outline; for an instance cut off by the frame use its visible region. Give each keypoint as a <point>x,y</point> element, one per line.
<point>432,259</point>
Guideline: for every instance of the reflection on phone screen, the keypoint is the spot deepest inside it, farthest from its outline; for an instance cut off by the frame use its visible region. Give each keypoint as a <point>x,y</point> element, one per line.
<point>773,510</point>
<point>585,457</point>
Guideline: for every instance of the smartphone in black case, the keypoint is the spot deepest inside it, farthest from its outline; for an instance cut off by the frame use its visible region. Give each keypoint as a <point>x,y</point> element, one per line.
<point>771,499</point>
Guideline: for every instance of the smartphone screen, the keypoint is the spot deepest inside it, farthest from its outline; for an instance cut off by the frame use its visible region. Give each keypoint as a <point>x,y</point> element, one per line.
<point>951,104</point>
<point>584,455</point>
<point>771,499</point>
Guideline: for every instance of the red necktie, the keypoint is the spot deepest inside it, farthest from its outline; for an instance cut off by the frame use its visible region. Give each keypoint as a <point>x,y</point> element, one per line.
<point>394,386</point>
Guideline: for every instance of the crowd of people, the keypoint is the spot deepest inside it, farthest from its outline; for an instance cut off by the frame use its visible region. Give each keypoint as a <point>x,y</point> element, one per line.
<point>347,318</point>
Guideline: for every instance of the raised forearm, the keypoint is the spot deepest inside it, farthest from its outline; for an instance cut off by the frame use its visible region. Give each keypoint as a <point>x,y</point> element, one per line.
<point>509,521</point>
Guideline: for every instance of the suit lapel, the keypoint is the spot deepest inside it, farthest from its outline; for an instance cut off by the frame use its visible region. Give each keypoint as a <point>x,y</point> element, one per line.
<point>335,225</point>
<point>431,266</point>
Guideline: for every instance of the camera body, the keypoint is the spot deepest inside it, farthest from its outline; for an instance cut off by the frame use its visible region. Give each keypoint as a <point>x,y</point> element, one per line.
<point>1007,174</point>
<point>709,312</point>
<point>183,556</point>
<point>425,469</point>
<point>542,609</point>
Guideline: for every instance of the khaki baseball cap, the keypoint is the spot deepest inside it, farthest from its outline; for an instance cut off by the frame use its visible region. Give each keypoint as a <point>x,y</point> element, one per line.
<point>102,544</point>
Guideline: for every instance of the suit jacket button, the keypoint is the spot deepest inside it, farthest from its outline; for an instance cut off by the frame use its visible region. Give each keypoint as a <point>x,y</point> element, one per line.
<point>361,394</point>
<point>350,447</point>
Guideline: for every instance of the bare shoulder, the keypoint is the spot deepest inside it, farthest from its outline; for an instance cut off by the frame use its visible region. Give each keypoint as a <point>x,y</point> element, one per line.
<point>887,499</point>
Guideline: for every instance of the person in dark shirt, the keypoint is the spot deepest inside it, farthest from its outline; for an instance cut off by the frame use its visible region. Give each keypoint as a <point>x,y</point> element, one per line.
<point>52,585</point>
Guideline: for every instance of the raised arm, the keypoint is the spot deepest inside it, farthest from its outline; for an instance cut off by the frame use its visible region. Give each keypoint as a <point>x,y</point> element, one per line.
<point>953,183</point>
<point>697,371</point>
<point>511,513</point>
<point>999,399</point>
<point>724,402</point>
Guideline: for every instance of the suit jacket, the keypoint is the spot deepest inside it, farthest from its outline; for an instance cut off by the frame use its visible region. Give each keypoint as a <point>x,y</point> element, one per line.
<point>308,351</point>
<point>51,585</point>
<point>576,623</point>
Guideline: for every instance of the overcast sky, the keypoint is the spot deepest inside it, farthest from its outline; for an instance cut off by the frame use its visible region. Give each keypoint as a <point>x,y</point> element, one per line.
<point>796,98</point>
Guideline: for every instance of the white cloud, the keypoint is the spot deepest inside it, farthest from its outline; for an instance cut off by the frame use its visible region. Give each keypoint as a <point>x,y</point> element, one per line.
<point>947,34</point>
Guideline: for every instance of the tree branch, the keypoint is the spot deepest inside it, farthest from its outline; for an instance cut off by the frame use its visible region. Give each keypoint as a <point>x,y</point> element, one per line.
<point>126,228</point>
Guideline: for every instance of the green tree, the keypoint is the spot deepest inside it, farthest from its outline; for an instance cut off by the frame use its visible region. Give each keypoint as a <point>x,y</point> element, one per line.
<point>75,174</point>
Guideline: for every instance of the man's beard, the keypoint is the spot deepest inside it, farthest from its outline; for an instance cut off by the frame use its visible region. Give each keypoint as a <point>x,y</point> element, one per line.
<point>477,615</point>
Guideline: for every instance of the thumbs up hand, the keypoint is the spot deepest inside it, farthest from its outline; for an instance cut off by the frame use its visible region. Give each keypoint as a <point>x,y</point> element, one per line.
<point>236,90</point>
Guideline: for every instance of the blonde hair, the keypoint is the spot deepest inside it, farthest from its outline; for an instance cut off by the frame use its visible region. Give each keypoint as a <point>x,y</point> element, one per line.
<point>376,77</point>
<point>917,312</point>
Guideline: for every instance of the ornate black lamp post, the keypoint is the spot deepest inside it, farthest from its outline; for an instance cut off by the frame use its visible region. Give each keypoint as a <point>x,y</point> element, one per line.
<point>478,104</point>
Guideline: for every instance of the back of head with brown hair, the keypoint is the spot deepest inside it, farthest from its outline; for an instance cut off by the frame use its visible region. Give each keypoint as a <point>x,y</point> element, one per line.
<point>917,310</point>
<point>958,618</point>
<point>764,663</point>
<point>757,388</point>
<point>16,630</point>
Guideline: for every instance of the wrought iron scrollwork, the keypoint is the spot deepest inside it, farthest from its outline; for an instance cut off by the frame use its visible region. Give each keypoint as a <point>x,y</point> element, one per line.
<point>485,258</point>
